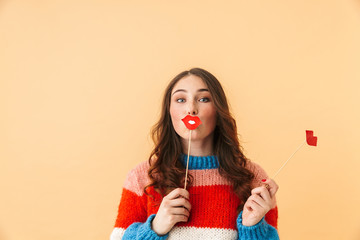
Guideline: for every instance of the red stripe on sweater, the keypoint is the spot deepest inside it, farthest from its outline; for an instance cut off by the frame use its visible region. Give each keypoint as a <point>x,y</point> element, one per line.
<point>131,209</point>
<point>272,216</point>
<point>211,206</point>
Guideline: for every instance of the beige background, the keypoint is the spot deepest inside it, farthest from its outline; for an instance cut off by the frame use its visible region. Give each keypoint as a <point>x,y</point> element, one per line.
<point>81,83</point>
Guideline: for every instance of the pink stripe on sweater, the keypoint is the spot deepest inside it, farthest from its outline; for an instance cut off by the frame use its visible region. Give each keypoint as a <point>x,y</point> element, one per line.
<point>208,177</point>
<point>137,178</point>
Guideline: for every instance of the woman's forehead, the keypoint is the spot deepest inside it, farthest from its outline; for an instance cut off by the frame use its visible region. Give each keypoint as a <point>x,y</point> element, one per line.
<point>191,82</point>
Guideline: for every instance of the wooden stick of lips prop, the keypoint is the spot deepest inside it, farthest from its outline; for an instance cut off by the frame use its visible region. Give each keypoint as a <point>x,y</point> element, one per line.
<point>191,123</point>
<point>311,141</point>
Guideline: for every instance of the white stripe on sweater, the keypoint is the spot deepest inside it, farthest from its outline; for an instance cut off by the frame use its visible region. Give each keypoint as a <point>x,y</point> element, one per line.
<point>193,233</point>
<point>180,233</point>
<point>117,234</point>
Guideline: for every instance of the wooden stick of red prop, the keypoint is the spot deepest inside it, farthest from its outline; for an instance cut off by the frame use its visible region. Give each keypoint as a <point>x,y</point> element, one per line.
<point>187,161</point>
<point>311,141</point>
<point>191,123</point>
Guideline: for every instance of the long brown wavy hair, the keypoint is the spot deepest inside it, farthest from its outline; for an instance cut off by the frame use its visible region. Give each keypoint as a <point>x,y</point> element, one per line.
<point>166,171</point>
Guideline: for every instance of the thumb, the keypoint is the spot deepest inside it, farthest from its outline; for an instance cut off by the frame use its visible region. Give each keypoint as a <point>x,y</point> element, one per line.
<point>270,185</point>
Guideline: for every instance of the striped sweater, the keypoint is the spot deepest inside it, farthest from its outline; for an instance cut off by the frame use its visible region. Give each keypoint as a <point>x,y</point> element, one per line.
<point>213,207</point>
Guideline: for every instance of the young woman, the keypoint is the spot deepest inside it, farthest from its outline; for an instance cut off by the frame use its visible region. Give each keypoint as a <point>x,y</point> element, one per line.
<point>227,195</point>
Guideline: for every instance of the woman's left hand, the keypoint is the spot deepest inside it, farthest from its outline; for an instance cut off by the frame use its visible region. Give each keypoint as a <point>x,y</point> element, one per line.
<point>262,199</point>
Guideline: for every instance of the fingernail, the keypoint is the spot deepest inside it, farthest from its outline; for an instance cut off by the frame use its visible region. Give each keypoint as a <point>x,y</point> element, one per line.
<point>264,180</point>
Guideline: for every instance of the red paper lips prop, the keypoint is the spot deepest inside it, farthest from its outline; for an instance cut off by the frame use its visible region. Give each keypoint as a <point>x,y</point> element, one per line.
<point>191,122</point>
<point>310,138</point>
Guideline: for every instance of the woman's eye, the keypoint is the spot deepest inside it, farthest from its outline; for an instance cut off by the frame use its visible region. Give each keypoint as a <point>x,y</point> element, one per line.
<point>204,100</point>
<point>180,100</point>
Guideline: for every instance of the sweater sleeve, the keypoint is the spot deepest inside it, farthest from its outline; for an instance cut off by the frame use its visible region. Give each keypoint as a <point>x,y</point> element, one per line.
<point>267,227</point>
<point>132,221</point>
<point>271,217</point>
<point>262,230</point>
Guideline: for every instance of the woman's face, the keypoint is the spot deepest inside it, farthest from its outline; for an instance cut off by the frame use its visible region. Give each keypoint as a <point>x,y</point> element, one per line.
<point>191,96</point>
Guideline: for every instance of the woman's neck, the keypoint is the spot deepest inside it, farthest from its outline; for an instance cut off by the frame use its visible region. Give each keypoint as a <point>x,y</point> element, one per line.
<point>203,147</point>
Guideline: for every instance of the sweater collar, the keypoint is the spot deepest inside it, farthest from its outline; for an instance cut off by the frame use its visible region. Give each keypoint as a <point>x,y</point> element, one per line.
<point>200,162</point>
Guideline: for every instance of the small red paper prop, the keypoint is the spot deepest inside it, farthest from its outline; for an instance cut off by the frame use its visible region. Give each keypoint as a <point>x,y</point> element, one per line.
<point>310,138</point>
<point>191,122</point>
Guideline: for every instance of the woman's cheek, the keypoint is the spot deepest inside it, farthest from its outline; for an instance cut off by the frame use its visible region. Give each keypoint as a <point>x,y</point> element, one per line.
<point>176,122</point>
<point>210,116</point>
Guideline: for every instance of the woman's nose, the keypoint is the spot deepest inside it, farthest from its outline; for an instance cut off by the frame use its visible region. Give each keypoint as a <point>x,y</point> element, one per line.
<point>192,110</point>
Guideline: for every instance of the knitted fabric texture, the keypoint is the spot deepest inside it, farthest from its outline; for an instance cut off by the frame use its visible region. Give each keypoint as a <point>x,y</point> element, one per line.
<point>213,206</point>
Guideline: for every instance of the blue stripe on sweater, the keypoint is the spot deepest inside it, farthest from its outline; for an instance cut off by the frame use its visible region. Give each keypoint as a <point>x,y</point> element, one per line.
<point>200,162</point>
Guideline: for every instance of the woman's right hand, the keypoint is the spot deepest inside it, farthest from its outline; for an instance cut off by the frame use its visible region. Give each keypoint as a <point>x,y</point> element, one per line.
<point>175,207</point>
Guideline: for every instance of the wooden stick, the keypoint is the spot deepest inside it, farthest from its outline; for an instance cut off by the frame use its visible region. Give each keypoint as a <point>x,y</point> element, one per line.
<point>187,162</point>
<point>288,160</point>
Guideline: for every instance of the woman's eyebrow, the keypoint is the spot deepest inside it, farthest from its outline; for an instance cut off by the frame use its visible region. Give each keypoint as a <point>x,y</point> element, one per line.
<point>183,90</point>
<point>203,90</point>
<point>179,90</point>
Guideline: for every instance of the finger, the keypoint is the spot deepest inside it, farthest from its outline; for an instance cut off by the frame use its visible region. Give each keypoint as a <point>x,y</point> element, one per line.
<point>263,192</point>
<point>273,187</point>
<point>259,200</point>
<point>178,192</point>
<point>180,211</point>
<point>180,202</point>
<point>247,205</point>
<point>180,218</point>
<point>255,206</point>
<point>251,201</point>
